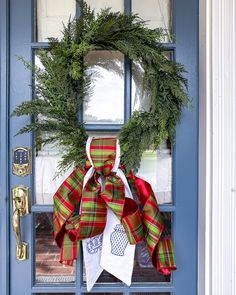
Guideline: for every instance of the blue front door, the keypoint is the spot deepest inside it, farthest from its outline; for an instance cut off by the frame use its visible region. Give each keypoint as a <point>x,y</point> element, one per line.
<point>173,171</point>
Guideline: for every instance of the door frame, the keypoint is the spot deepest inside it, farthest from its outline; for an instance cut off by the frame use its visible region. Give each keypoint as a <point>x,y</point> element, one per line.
<point>4,148</point>
<point>189,39</point>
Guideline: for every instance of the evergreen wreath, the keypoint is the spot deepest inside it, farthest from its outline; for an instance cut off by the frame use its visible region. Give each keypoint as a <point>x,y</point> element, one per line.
<point>63,84</point>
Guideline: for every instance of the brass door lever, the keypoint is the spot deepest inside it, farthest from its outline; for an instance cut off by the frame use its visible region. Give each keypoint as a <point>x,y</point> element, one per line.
<point>20,207</point>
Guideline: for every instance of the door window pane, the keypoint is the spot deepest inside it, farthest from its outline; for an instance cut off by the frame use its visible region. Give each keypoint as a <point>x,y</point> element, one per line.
<point>47,158</point>
<point>115,5</point>
<point>46,167</point>
<point>158,13</point>
<point>106,102</point>
<point>50,16</point>
<point>156,168</point>
<point>48,269</point>
<point>140,99</point>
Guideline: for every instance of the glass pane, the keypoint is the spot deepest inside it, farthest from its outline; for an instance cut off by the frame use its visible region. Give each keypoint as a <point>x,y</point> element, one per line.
<point>50,16</point>
<point>106,103</point>
<point>157,13</point>
<point>156,168</point>
<point>47,158</point>
<point>54,293</point>
<point>143,268</point>
<point>115,5</point>
<point>48,269</point>
<point>140,99</point>
<point>46,163</point>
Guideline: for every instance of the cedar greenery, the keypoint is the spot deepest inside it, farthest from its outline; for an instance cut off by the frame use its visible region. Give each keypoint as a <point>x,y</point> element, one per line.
<point>63,84</point>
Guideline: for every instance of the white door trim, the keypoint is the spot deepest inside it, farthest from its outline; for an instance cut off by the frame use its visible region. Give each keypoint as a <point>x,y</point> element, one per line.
<point>217,150</point>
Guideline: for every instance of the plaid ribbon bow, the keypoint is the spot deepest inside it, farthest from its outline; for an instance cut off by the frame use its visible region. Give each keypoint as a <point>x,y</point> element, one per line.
<point>81,213</point>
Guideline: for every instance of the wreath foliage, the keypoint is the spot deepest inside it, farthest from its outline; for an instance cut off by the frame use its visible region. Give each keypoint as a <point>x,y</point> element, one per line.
<point>64,83</point>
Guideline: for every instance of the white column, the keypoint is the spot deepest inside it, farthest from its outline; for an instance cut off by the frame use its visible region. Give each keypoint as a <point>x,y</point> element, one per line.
<point>217,189</point>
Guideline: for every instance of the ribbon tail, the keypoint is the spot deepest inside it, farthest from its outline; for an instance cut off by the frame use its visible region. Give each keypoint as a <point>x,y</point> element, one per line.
<point>69,250</point>
<point>116,250</point>
<point>66,199</point>
<point>165,256</point>
<point>92,256</point>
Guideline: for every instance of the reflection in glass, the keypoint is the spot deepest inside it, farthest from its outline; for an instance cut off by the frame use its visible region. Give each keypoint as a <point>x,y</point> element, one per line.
<point>46,166</point>
<point>48,269</point>
<point>157,13</point>
<point>50,16</point>
<point>106,103</point>
<point>46,159</point>
<point>140,98</point>
<point>143,268</point>
<point>156,168</point>
<point>115,5</point>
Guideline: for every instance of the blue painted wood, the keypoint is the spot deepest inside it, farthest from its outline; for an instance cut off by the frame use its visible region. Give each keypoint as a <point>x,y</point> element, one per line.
<point>4,188</point>
<point>103,127</point>
<point>128,6</point>
<point>111,288</point>
<point>186,153</point>
<point>20,78</point>
<point>128,89</point>
<point>49,208</point>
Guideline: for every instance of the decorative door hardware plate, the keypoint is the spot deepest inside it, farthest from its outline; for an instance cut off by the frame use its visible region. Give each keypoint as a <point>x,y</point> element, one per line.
<point>21,199</point>
<point>22,161</point>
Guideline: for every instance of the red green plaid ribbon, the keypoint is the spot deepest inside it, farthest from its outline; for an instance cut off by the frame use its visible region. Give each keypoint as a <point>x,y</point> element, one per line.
<point>81,213</point>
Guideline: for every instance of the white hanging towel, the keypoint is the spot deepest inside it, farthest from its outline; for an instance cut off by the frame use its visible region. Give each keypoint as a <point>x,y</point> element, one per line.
<point>117,255</point>
<point>92,255</point>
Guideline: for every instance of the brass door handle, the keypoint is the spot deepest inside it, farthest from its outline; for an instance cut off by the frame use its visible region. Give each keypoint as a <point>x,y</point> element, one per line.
<point>20,205</point>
